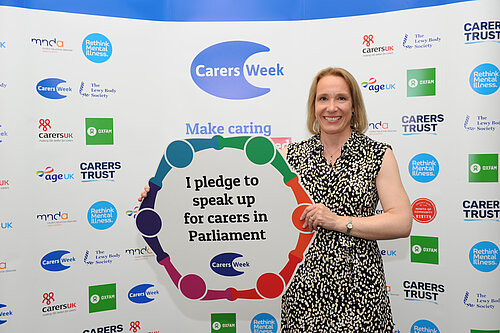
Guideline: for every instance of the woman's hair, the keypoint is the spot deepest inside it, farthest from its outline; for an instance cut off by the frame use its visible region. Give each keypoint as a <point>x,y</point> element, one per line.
<point>359,120</point>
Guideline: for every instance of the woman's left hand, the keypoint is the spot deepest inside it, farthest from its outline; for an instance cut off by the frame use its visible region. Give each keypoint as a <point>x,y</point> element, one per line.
<point>317,215</point>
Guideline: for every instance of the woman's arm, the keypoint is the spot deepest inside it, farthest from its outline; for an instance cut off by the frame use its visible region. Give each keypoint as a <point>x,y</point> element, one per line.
<point>396,220</point>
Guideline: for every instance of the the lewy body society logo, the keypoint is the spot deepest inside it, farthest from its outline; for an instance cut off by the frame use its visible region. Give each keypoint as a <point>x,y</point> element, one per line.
<point>226,264</point>
<point>47,134</point>
<point>372,48</point>
<point>420,41</point>
<point>422,291</point>
<point>423,210</point>
<point>52,307</point>
<point>421,123</point>
<point>5,313</point>
<point>421,82</point>
<point>424,249</point>
<point>99,131</point>
<point>102,297</point>
<point>49,174</point>
<point>99,171</point>
<point>95,90</point>
<point>423,168</point>
<point>102,215</point>
<point>375,86</point>
<point>53,88</point>
<point>97,48</point>
<point>264,323</point>
<point>481,210</point>
<point>483,168</point>
<point>481,300</point>
<point>482,31</point>
<point>222,70</point>
<point>484,79</point>
<point>424,325</point>
<point>223,322</point>
<point>484,256</point>
<point>50,45</point>
<point>56,261</point>
<point>481,123</point>
<point>143,293</point>
<point>100,257</point>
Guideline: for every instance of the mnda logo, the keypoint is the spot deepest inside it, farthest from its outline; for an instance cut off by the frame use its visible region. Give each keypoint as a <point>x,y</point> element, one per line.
<point>220,70</point>
<point>102,297</point>
<point>99,131</point>
<point>483,168</point>
<point>50,88</point>
<point>424,249</point>
<point>421,82</point>
<point>223,322</point>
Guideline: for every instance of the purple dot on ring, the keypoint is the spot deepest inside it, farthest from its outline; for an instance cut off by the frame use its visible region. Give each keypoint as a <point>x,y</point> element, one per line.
<point>148,222</point>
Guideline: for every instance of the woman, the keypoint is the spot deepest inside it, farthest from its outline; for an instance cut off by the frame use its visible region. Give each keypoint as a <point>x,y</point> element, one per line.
<point>340,286</point>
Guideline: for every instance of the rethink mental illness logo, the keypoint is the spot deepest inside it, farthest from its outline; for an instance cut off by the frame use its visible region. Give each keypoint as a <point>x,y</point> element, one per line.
<point>483,168</point>
<point>484,256</point>
<point>97,48</point>
<point>421,82</point>
<point>423,168</point>
<point>484,79</point>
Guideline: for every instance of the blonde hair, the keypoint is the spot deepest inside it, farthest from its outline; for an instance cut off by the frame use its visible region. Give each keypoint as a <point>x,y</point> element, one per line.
<point>359,119</point>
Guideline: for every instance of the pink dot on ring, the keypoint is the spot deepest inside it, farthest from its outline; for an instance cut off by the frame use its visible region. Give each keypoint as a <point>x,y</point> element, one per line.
<point>192,286</point>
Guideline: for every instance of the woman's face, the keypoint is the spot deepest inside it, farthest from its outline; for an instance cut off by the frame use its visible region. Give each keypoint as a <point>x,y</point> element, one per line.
<point>333,105</point>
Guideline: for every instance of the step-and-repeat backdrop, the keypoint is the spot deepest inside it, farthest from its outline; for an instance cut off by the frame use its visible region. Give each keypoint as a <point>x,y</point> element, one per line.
<point>197,99</point>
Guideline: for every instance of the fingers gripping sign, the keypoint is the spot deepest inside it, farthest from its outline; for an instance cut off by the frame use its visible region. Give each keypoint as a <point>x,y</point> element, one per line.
<point>318,215</point>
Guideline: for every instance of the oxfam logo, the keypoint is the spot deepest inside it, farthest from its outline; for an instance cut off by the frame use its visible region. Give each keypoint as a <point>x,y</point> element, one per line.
<point>484,79</point>
<point>220,70</point>
<point>97,48</point>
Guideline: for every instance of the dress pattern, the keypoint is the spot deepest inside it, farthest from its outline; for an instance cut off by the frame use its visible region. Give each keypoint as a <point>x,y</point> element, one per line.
<point>340,286</point>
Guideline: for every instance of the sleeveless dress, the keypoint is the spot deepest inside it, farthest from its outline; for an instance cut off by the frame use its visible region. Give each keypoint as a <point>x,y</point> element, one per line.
<point>340,286</point>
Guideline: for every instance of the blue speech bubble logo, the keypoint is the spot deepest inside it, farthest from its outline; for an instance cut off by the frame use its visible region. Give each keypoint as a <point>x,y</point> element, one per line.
<point>48,88</point>
<point>219,70</point>
<point>222,264</point>
<point>484,256</point>
<point>53,261</point>
<point>139,294</point>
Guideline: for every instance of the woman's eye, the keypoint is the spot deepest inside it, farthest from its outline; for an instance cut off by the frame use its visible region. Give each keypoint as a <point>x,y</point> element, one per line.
<point>342,98</point>
<point>322,99</point>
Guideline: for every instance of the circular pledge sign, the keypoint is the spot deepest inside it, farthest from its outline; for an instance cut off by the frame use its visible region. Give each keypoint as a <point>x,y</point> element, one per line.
<point>222,217</point>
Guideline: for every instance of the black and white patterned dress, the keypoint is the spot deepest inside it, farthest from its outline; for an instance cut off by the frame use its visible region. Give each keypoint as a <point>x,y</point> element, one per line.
<point>340,286</point>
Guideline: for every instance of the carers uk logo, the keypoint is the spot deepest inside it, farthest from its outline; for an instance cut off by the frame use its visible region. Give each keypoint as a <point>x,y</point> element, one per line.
<point>53,88</point>
<point>47,135</point>
<point>373,50</point>
<point>97,48</point>
<point>221,70</point>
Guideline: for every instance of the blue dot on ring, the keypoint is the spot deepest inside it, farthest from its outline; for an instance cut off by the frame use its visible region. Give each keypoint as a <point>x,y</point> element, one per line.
<point>179,154</point>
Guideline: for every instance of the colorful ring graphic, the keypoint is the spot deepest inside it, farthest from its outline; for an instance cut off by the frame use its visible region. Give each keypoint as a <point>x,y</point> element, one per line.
<point>258,150</point>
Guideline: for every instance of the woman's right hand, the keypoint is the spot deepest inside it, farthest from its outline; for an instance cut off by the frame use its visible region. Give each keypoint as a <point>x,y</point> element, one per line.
<point>144,193</point>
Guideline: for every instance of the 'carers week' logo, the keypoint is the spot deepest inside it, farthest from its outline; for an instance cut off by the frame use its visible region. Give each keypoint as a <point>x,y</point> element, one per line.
<point>53,88</point>
<point>221,70</point>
